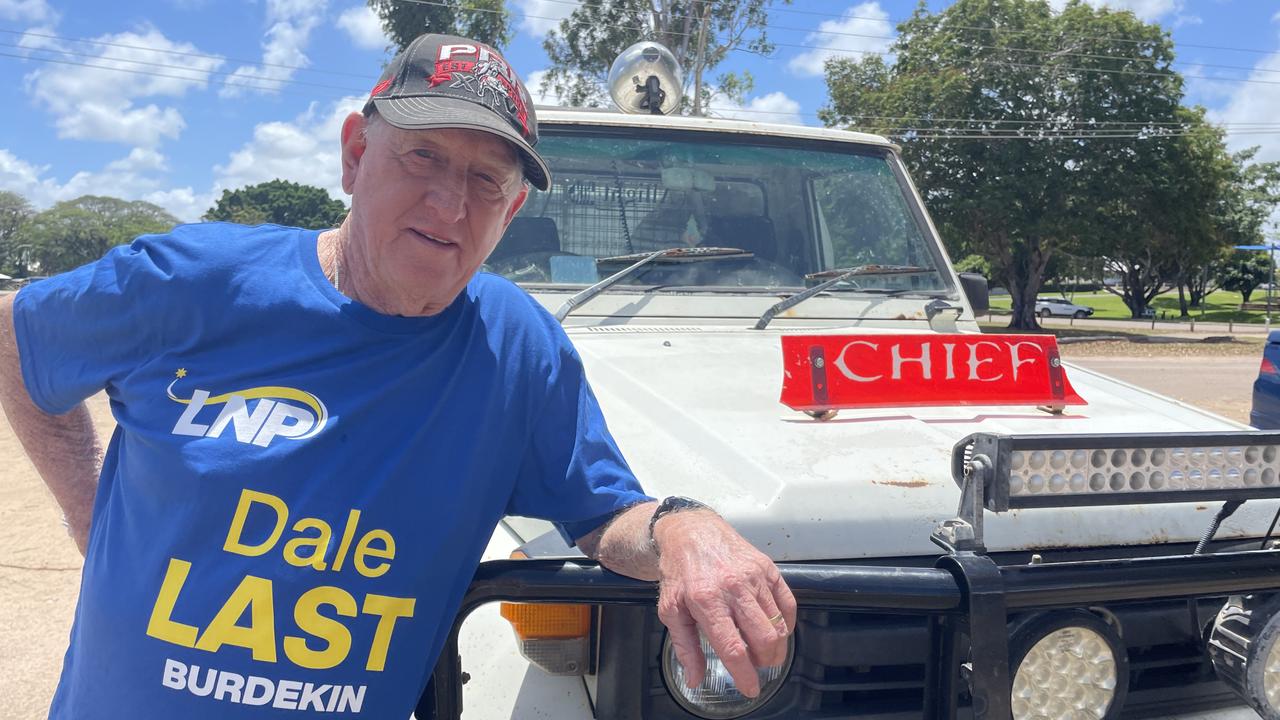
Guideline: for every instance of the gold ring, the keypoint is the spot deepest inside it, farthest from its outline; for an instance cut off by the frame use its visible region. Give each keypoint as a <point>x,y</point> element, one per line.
<point>775,619</point>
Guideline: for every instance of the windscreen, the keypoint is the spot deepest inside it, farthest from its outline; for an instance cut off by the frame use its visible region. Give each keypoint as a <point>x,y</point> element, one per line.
<point>789,212</point>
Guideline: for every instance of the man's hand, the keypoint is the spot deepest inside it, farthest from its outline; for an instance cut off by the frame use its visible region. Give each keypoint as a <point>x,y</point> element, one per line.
<point>712,580</point>
<point>715,582</point>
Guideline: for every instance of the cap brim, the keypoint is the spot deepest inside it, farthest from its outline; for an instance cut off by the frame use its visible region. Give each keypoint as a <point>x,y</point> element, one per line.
<point>424,113</point>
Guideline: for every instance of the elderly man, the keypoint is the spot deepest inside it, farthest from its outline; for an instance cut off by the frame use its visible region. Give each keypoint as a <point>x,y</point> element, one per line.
<point>317,432</point>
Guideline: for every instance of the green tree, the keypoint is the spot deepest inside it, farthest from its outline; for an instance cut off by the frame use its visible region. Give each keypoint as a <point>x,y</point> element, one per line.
<point>280,202</point>
<point>78,231</point>
<point>700,33</point>
<point>15,212</point>
<point>1246,195</point>
<point>485,20</point>
<point>1155,218</point>
<point>974,264</point>
<point>1245,272</point>
<point>992,101</point>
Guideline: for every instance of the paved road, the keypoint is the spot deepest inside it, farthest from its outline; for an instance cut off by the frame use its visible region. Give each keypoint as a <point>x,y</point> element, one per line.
<point>1223,385</point>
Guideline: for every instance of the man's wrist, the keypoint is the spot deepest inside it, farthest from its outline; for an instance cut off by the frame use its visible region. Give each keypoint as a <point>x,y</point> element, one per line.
<point>671,506</point>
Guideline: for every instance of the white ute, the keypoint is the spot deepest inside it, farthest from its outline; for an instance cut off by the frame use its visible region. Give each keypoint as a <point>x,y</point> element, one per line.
<point>758,213</point>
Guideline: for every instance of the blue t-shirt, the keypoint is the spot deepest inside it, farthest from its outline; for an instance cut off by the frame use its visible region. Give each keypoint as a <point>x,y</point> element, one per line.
<point>299,488</point>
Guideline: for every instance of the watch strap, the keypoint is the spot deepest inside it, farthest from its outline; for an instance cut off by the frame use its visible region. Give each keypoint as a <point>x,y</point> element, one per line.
<point>669,505</point>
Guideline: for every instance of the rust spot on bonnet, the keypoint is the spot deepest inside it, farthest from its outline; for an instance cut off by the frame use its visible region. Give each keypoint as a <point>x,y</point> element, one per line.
<point>918,483</point>
<point>1201,507</point>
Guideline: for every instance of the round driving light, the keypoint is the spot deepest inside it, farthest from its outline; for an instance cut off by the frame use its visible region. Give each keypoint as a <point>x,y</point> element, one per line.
<point>717,698</point>
<point>1244,646</point>
<point>1067,666</point>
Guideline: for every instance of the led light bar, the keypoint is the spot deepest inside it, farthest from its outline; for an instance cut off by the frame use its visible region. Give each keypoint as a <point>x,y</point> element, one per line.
<point>1029,471</point>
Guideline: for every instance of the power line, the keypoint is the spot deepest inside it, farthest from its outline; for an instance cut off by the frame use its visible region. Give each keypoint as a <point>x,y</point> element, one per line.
<point>975,28</point>
<point>227,81</point>
<point>934,132</point>
<point>843,52</point>
<point>931,133</point>
<point>846,52</point>
<point>1057,125</point>
<point>183,53</point>
<point>230,75</point>
<point>981,28</point>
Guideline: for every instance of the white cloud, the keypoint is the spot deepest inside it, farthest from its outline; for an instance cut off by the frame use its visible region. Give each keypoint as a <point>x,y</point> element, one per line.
<point>862,29</point>
<point>132,177</point>
<point>17,175</point>
<point>775,107</point>
<point>35,11</point>
<point>97,103</point>
<point>1147,10</point>
<point>283,46</point>
<point>305,150</point>
<point>1254,103</point>
<point>534,84</point>
<point>542,16</point>
<point>183,202</point>
<point>364,27</point>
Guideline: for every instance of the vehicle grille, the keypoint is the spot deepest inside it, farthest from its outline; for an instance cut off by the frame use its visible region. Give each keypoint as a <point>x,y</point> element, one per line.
<point>871,667</point>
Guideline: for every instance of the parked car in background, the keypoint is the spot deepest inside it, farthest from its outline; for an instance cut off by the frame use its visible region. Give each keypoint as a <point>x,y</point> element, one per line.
<point>1265,414</point>
<point>1061,307</point>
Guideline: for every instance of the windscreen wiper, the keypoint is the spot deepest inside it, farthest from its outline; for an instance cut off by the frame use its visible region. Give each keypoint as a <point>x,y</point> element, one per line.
<point>675,254</point>
<point>835,276</point>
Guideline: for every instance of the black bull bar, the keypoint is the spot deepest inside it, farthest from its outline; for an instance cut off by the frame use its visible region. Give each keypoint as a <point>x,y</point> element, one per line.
<point>966,598</point>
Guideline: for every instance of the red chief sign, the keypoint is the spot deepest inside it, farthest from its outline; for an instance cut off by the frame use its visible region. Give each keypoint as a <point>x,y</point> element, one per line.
<point>822,372</point>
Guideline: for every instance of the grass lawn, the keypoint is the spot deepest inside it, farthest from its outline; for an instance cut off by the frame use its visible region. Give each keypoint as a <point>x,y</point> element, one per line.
<point>1220,306</point>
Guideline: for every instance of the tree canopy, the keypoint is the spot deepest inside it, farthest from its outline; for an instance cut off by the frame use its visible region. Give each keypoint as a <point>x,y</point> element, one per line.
<point>485,20</point>
<point>1034,133</point>
<point>1246,272</point>
<point>75,232</point>
<point>280,202</point>
<point>15,212</point>
<point>700,33</point>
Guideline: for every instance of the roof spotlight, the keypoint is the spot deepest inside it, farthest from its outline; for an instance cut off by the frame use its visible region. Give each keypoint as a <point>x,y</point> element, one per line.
<point>1244,646</point>
<point>1068,665</point>
<point>646,78</point>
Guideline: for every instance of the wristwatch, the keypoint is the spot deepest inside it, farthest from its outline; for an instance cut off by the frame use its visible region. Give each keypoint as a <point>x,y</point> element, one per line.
<point>669,505</point>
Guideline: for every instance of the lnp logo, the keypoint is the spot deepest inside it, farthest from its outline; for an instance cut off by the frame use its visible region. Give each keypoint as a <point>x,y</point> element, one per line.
<point>279,412</point>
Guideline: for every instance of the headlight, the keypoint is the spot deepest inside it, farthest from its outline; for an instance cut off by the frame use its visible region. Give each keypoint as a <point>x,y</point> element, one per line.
<point>1067,666</point>
<point>1245,648</point>
<point>717,698</point>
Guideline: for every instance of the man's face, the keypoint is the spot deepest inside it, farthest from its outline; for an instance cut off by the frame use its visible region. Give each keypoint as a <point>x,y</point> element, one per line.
<point>427,207</point>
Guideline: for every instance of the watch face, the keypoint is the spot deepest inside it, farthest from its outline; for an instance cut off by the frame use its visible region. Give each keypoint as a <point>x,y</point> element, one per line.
<point>672,504</point>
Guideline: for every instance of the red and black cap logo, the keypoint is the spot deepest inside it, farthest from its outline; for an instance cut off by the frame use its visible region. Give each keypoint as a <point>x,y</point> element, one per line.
<point>448,81</point>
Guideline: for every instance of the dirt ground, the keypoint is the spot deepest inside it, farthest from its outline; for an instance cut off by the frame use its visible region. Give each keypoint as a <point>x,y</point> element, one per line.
<point>39,579</point>
<point>39,565</point>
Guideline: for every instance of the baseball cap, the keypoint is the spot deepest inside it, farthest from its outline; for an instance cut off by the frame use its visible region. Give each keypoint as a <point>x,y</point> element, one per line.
<point>446,81</point>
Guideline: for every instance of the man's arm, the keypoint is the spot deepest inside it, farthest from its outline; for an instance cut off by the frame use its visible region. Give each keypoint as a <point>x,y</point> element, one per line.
<point>711,579</point>
<point>63,448</point>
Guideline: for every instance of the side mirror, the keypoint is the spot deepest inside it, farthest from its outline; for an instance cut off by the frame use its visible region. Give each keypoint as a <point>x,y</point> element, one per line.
<point>976,291</point>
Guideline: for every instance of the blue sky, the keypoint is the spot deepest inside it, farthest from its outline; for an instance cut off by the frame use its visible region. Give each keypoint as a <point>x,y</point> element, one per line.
<point>231,92</point>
